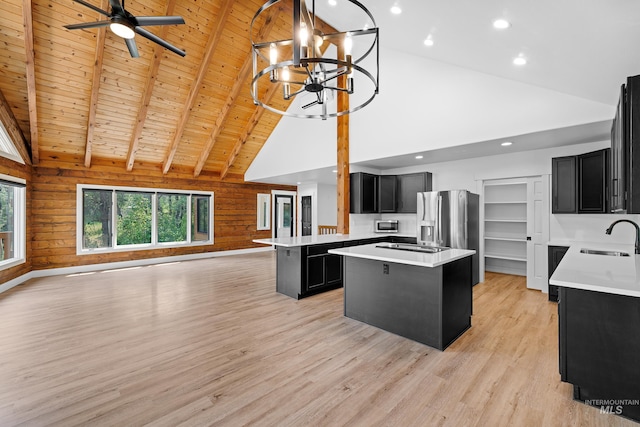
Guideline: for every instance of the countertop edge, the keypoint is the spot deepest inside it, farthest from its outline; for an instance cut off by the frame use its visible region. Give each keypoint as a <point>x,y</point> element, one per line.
<point>387,255</point>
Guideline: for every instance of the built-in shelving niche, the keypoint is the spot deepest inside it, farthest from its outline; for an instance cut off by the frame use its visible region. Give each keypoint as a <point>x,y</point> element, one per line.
<point>505,226</point>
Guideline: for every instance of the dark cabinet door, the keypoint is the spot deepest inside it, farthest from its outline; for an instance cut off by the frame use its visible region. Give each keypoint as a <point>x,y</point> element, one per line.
<point>563,185</point>
<point>555,255</point>
<point>593,180</point>
<point>408,187</point>
<point>387,193</point>
<point>315,271</point>
<point>363,193</point>
<point>333,269</point>
<point>618,158</point>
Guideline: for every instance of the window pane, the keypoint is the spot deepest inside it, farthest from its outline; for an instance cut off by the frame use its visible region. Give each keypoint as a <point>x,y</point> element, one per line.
<point>96,221</point>
<point>133,225</point>
<point>7,221</point>
<point>172,218</point>
<point>200,218</point>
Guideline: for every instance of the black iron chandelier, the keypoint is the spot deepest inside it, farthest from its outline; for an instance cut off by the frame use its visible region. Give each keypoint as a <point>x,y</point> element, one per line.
<point>318,64</point>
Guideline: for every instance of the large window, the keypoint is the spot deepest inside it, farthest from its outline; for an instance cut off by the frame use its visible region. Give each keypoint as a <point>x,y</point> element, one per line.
<point>12,222</point>
<point>119,218</point>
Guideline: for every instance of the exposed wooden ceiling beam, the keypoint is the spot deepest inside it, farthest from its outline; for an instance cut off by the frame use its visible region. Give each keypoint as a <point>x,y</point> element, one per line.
<point>148,91</point>
<point>95,89</point>
<point>251,124</point>
<point>27,18</point>
<point>233,95</point>
<point>259,111</point>
<point>212,43</point>
<point>13,129</point>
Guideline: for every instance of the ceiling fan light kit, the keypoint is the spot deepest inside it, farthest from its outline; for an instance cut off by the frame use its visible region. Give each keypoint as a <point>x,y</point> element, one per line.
<point>124,24</point>
<point>318,63</point>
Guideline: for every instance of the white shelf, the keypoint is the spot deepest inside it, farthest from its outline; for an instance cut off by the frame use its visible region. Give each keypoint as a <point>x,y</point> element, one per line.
<point>509,257</point>
<point>507,239</point>
<point>505,220</point>
<point>506,202</point>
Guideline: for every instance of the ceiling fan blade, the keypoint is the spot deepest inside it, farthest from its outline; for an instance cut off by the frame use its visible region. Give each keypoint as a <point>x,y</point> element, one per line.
<point>133,49</point>
<point>156,39</point>
<point>159,20</point>
<point>116,6</point>
<point>87,25</point>
<point>90,6</point>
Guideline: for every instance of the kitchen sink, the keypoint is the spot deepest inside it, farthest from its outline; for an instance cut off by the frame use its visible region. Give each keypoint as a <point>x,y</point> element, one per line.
<point>412,248</point>
<point>601,252</point>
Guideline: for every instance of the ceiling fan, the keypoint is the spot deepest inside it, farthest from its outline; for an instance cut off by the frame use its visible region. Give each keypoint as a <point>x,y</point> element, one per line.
<point>125,25</point>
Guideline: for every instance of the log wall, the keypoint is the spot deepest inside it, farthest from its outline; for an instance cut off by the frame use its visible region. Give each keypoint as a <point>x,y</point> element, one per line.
<point>53,209</point>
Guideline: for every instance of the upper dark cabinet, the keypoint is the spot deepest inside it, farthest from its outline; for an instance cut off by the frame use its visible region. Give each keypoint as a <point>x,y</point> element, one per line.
<point>593,181</point>
<point>625,150</point>
<point>563,184</point>
<point>387,193</point>
<point>363,193</point>
<point>408,188</point>
<point>579,184</point>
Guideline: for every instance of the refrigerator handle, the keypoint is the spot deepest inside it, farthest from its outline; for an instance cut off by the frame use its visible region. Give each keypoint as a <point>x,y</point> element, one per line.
<point>439,225</point>
<point>421,207</point>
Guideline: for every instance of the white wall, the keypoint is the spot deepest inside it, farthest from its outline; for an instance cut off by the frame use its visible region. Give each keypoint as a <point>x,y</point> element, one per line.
<point>424,105</point>
<point>327,204</point>
<point>469,174</point>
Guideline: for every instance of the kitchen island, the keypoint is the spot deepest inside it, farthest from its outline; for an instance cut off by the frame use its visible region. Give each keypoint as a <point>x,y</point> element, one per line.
<point>426,297</point>
<point>599,326</point>
<point>304,266</point>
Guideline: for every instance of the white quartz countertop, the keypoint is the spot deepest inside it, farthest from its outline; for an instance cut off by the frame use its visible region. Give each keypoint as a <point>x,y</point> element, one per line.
<point>601,273</point>
<point>322,238</point>
<point>403,257</point>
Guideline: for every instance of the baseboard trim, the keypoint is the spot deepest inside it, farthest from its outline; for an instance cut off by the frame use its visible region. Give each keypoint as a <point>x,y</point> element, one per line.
<point>123,264</point>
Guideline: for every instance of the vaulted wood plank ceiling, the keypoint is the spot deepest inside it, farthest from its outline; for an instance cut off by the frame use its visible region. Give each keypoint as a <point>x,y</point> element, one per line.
<point>83,97</point>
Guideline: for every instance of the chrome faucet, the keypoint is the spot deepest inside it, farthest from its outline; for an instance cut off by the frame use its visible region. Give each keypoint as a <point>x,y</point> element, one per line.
<point>608,231</point>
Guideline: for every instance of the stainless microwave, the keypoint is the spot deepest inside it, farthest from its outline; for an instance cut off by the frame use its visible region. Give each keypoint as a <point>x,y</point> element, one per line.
<point>388,226</point>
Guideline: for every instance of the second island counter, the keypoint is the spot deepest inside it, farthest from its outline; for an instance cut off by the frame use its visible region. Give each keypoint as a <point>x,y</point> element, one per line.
<point>426,297</point>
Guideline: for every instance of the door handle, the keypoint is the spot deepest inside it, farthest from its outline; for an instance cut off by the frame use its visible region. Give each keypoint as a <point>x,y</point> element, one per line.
<point>529,238</point>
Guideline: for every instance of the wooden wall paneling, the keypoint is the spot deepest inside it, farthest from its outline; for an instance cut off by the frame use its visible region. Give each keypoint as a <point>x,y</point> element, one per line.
<point>148,90</point>
<point>95,87</point>
<point>53,213</point>
<point>212,43</point>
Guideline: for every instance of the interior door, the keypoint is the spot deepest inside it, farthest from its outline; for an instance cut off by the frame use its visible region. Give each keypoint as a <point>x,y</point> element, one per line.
<point>537,232</point>
<point>307,222</point>
<point>284,215</point>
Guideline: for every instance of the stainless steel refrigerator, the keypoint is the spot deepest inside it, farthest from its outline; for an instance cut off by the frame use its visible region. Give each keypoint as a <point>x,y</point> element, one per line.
<point>450,219</point>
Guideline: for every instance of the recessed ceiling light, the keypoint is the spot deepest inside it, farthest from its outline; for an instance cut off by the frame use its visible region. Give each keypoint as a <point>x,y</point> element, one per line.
<point>298,183</point>
<point>419,157</point>
<point>506,143</point>
<point>335,171</point>
<point>501,24</point>
<point>428,41</point>
<point>333,2</point>
<point>396,9</point>
<point>520,60</point>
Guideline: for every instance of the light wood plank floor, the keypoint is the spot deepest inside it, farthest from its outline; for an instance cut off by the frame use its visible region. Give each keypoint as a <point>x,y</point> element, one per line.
<point>210,342</point>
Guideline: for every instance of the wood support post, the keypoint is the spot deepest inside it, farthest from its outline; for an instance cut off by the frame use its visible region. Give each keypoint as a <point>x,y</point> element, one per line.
<point>343,155</point>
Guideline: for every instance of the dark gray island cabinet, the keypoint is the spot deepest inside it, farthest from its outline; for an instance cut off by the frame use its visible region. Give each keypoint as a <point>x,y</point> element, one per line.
<point>423,297</point>
<point>304,266</point>
<point>599,329</point>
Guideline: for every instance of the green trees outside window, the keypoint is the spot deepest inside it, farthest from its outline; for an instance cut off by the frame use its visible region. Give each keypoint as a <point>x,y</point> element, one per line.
<point>134,218</point>
<point>136,223</point>
<point>172,218</point>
